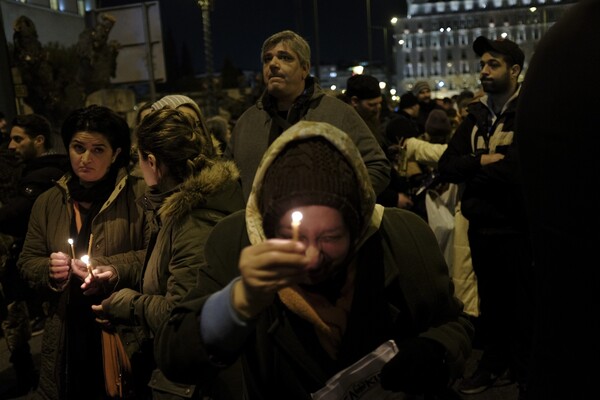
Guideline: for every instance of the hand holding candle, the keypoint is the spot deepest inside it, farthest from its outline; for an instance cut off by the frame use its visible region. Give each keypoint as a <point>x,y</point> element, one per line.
<point>296,218</point>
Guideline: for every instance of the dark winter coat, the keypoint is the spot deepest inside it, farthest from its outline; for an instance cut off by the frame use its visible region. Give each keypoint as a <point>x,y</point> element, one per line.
<point>492,198</point>
<point>185,218</point>
<point>260,125</point>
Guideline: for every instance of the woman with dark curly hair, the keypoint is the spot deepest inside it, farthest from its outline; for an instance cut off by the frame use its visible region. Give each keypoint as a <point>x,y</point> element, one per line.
<point>94,205</point>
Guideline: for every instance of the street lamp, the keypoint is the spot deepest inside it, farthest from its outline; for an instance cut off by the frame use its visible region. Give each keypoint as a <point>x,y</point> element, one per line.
<point>206,7</point>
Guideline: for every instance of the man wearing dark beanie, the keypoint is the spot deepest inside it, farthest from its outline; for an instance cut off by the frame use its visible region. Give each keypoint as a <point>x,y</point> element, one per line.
<point>364,94</point>
<point>299,302</point>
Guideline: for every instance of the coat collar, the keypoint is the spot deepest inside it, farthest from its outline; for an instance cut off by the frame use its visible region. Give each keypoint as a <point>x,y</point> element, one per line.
<point>200,189</point>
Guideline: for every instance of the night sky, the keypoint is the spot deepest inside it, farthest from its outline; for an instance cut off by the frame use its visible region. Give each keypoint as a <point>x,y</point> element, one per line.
<point>240,26</point>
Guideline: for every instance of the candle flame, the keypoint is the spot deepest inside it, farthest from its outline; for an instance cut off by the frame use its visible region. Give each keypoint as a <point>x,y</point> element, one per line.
<point>296,217</point>
<point>85,259</point>
<point>70,241</point>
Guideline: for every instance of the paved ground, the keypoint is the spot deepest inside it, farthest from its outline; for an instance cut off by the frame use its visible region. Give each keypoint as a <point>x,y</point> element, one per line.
<point>7,377</point>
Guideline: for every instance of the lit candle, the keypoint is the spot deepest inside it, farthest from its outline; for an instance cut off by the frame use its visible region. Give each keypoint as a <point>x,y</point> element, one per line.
<point>86,260</point>
<point>296,218</point>
<point>89,253</point>
<point>72,248</point>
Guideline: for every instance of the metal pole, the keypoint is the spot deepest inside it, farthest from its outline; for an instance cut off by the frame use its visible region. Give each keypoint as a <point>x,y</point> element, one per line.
<point>386,56</point>
<point>369,38</point>
<point>208,54</point>
<point>149,58</point>
<point>7,89</point>
<point>317,55</point>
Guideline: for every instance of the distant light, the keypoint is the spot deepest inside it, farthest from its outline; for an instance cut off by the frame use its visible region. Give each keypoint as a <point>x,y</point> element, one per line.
<point>358,70</point>
<point>504,35</point>
<point>401,42</point>
<point>394,20</point>
<point>533,9</point>
<point>442,30</point>
<point>382,85</point>
<point>333,74</point>
<point>441,84</point>
<point>448,29</point>
<point>393,91</point>
<point>333,87</point>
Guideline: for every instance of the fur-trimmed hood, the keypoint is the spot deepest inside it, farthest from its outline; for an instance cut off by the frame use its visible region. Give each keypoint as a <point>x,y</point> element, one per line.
<point>215,187</point>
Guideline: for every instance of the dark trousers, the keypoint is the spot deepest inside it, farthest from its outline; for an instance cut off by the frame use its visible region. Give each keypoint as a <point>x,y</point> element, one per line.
<point>502,263</point>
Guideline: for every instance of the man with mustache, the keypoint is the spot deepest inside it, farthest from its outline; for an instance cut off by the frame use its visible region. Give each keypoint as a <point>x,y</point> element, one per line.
<point>482,157</point>
<point>291,95</point>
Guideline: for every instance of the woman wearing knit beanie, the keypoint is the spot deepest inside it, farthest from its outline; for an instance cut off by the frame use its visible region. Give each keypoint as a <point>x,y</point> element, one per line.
<point>300,304</point>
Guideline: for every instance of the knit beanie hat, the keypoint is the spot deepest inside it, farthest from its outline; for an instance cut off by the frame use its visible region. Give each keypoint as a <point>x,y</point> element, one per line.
<point>438,124</point>
<point>309,172</point>
<point>420,85</point>
<point>175,101</point>
<point>363,87</point>
<point>407,100</point>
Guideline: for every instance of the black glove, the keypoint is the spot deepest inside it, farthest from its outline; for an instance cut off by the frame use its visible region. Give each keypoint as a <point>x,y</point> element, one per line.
<point>418,368</point>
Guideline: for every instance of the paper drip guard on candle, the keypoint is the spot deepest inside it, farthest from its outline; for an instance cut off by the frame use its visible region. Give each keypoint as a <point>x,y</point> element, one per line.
<point>296,218</point>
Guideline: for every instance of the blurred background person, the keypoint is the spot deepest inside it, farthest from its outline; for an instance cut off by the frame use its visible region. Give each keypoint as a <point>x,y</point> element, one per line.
<point>3,131</point>
<point>221,131</point>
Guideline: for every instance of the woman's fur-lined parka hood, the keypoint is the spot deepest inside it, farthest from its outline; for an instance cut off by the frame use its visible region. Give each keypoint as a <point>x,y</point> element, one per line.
<point>209,188</point>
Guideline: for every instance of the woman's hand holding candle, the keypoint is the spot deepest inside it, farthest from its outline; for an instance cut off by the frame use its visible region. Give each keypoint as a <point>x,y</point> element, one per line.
<point>58,267</point>
<point>103,280</point>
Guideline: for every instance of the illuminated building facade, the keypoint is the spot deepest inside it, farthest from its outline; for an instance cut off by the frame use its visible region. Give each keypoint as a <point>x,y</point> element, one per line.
<point>434,41</point>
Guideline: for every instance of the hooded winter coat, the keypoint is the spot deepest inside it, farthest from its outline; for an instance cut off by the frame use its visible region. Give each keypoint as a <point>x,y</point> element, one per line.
<point>184,221</point>
<point>402,290</point>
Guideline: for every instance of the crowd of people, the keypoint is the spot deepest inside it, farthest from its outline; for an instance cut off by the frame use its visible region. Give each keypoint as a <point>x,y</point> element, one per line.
<point>320,247</point>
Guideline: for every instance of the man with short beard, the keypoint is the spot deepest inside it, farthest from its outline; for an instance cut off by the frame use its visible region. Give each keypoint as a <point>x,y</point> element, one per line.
<point>482,156</point>
<point>30,144</point>
<point>291,95</point>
